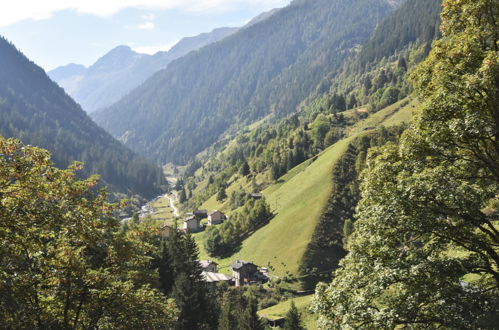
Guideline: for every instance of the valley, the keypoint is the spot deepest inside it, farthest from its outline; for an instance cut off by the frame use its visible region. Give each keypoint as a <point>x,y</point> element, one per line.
<point>325,165</point>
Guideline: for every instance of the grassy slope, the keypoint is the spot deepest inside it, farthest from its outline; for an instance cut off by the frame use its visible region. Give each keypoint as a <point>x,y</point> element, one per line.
<point>298,200</point>
<point>302,303</point>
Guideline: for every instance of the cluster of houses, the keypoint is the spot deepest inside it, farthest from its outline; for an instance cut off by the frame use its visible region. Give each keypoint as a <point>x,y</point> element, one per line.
<point>243,273</point>
<point>193,222</point>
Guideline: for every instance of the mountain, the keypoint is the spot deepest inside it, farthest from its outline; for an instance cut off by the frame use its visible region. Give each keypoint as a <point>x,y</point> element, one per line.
<point>308,165</point>
<point>68,71</point>
<point>262,17</point>
<point>37,111</point>
<point>266,68</point>
<point>122,69</point>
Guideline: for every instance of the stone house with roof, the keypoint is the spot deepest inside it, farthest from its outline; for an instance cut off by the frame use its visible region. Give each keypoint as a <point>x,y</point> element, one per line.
<point>244,272</point>
<point>216,217</point>
<point>192,224</point>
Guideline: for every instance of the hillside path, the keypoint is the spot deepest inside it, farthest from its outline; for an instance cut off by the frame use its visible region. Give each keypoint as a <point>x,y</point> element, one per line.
<point>172,205</point>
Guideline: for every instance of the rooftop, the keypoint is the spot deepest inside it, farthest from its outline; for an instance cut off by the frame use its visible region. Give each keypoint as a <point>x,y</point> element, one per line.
<point>240,263</point>
<point>215,277</point>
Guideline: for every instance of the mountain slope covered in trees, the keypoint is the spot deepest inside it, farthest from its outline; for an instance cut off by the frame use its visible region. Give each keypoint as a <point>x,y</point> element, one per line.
<point>37,111</point>
<point>311,192</point>
<point>122,69</point>
<point>424,250</point>
<point>267,68</point>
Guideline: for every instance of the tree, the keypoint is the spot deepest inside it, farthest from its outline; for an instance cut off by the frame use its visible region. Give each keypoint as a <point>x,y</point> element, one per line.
<point>293,319</point>
<point>245,169</point>
<point>65,261</point>
<point>222,195</point>
<point>250,319</point>
<point>402,63</point>
<point>136,218</point>
<point>347,229</point>
<point>227,320</point>
<point>428,218</point>
<point>183,196</point>
<point>181,277</point>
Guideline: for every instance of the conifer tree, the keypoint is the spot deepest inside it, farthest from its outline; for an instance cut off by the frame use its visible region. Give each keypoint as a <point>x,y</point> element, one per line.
<point>293,319</point>
<point>245,169</point>
<point>183,197</point>
<point>227,321</point>
<point>250,319</point>
<point>222,195</point>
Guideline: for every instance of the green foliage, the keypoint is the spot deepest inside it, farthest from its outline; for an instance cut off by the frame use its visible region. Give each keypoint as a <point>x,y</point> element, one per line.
<point>250,319</point>
<point>425,222</point>
<point>65,263</point>
<point>245,169</point>
<point>325,250</point>
<point>376,76</point>
<point>267,68</point>
<point>293,319</point>
<point>222,240</point>
<point>239,311</point>
<point>182,198</point>
<point>222,194</point>
<point>180,276</point>
<point>401,29</point>
<point>37,111</point>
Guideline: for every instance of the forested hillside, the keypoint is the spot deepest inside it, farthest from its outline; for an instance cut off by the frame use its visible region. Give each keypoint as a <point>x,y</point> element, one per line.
<point>267,68</point>
<point>37,111</point>
<point>423,252</point>
<point>266,154</point>
<point>122,69</point>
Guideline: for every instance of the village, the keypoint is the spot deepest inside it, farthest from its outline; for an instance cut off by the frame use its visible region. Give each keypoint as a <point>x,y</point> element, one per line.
<point>243,272</point>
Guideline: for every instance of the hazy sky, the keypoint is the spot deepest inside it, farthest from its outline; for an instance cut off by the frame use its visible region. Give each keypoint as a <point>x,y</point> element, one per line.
<point>57,32</point>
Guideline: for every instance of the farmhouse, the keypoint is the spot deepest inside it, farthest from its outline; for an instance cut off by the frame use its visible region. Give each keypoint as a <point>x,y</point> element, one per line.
<point>209,266</point>
<point>166,231</point>
<point>192,225</point>
<point>215,218</point>
<point>244,272</point>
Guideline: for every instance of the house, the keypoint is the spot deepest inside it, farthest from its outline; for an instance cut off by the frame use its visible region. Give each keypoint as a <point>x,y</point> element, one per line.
<point>209,266</point>
<point>201,214</point>
<point>215,218</point>
<point>166,231</point>
<point>214,278</point>
<point>256,196</point>
<point>244,272</point>
<point>192,225</point>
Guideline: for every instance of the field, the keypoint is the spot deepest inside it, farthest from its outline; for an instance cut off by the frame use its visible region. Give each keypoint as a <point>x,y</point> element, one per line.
<point>280,310</point>
<point>164,212</point>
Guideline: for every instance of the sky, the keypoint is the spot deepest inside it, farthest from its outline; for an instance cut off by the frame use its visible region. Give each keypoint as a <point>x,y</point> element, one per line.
<point>57,32</point>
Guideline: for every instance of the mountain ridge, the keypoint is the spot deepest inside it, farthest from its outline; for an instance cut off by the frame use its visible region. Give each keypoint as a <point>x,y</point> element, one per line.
<point>265,68</point>
<point>121,69</point>
<point>37,111</point>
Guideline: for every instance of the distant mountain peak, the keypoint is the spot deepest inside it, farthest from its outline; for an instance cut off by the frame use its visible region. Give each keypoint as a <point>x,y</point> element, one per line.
<point>68,71</point>
<point>122,69</point>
